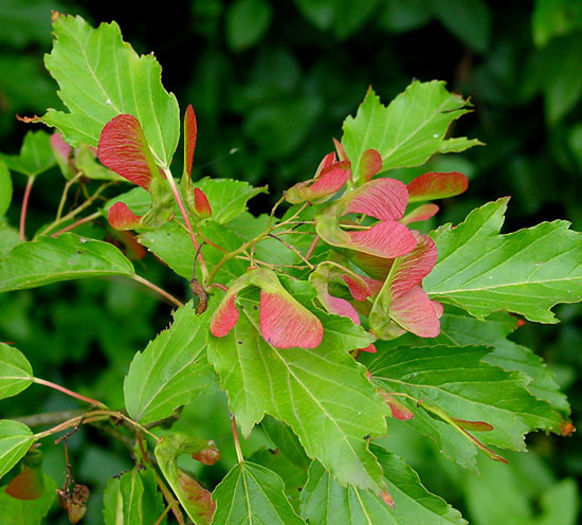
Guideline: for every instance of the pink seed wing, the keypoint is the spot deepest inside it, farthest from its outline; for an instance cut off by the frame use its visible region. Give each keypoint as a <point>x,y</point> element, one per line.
<point>421,213</point>
<point>190,135</point>
<point>370,164</point>
<point>386,239</point>
<point>202,204</point>
<point>285,323</point>
<point>225,317</point>
<point>123,148</point>
<point>415,312</point>
<point>330,181</point>
<point>437,185</point>
<point>340,306</point>
<point>384,199</point>
<point>327,161</point>
<point>414,266</point>
<point>60,147</point>
<point>121,217</point>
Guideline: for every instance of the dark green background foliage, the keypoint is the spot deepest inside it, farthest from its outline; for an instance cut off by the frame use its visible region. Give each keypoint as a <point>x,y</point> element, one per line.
<point>271,82</point>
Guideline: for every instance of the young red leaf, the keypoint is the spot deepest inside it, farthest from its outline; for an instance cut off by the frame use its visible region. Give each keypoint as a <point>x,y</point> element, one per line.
<point>190,135</point>
<point>287,324</point>
<point>370,164</point>
<point>123,148</point>
<point>436,185</point>
<point>122,218</point>
<point>201,204</point>
<point>225,317</point>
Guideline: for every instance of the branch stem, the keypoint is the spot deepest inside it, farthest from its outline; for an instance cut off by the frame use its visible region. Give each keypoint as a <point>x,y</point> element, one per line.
<point>73,225</point>
<point>187,222</point>
<point>239,454</point>
<point>64,390</point>
<point>24,208</point>
<point>166,295</point>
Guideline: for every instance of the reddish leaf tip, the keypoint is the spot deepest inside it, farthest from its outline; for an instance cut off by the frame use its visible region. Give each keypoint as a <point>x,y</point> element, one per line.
<point>567,428</point>
<point>387,498</point>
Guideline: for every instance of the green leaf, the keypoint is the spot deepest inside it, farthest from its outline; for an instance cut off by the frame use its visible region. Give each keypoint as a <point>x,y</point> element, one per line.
<point>326,502</point>
<point>15,371</point>
<point>171,370</point>
<point>172,244</point>
<point>400,16</point>
<point>27,512</point>
<point>409,130</point>
<point>526,492</point>
<point>321,393</point>
<point>468,20</point>
<point>228,198</point>
<point>457,382</point>
<point>526,272</point>
<point>132,499</point>
<point>47,260</point>
<point>251,493</point>
<point>294,476</point>
<point>553,18</point>
<point>15,440</point>
<point>561,78</point>
<point>459,329</point>
<point>26,22</point>
<point>10,238</point>
<point>286,441</point>
<point>345,16</point>
<point>5,188</point>
<point>99,77</point>
<point>35,157</point>
<point>246,23</point>
<point>196,500</point>
<point>86,162</point>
